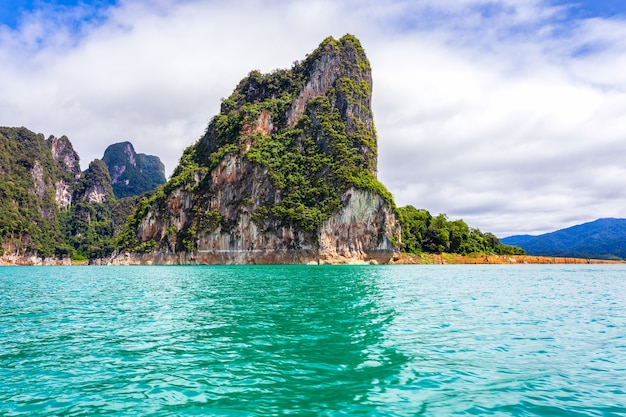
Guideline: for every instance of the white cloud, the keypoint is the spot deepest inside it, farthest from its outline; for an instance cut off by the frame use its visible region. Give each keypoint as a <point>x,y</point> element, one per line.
<point>500,113</point>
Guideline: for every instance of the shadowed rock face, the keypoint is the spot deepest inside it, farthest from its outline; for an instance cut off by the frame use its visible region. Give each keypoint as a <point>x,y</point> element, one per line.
<point>132,173</point>
<point>286,173</point>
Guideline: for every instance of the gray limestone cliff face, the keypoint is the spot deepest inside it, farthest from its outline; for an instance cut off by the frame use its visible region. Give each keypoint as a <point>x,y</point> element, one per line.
<point>324,73</point>
<point>62,194</point>
<point>95,184</point>
<point>222,219</point>
<point>344,75</point>
<point>64,154</point>
<point>228,203</point>
<point>360,232</point>
<point>95,194</point>
<point>39,184</point>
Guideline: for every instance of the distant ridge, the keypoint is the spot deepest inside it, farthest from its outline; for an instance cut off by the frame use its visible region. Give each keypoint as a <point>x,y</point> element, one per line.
<point>599,239</point>
<point>132,173</point>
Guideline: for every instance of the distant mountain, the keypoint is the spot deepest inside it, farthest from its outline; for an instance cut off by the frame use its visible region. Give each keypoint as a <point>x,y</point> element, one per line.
<point>600,239</point>
<point>132,173</point>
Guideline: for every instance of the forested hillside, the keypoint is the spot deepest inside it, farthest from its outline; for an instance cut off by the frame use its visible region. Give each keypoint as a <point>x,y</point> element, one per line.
<point>48,207</point>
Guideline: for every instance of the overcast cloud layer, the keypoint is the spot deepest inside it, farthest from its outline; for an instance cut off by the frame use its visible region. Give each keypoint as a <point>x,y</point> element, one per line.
<point>509,114</point>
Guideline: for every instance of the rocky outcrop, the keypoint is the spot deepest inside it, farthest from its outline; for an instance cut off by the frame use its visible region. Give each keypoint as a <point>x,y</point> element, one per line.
<point>39,184</point>
<point>95,194</point>
<point>286,173</point>
<point>33,260</point>
<point>324,72</point>
<point>63,152</point>
<point>66,157</point>
<point>362,230</point>
<point>95,185</point>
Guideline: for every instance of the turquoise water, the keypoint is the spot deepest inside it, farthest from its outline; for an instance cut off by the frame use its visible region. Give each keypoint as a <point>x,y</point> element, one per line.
<point>527,340</point>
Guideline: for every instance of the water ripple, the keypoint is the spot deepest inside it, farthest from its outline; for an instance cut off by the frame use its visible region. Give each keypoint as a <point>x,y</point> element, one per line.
<point>328,341</point>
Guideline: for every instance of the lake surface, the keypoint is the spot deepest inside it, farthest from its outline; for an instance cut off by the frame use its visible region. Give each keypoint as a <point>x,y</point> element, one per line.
<point>509,340</point>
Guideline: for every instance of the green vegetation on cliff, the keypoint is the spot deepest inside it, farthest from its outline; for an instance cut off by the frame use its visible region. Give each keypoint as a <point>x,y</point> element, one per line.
<point>29,221</point>
<point>421,232</point>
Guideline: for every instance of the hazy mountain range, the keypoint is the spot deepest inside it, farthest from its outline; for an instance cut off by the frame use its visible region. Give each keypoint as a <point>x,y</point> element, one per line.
<point>599,239</point>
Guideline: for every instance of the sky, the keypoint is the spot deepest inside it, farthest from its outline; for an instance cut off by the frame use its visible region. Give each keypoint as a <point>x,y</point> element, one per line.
<point>508,114</point>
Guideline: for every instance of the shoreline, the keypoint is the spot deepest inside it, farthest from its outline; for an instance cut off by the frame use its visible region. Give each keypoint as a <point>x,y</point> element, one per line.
<point>454,259</point>
<point>399,259</point>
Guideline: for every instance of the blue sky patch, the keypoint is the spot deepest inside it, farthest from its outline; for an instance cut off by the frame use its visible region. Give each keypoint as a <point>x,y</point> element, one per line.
<point>12,11</point>
<point>584,9</point>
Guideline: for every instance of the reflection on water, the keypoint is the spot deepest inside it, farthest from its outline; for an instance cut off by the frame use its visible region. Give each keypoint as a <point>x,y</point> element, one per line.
<point>254,339</point>
<point>283,338</point>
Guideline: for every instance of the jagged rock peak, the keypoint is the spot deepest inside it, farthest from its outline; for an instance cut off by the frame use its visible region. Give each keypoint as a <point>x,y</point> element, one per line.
<point>117,157</point>
<point>63,152</point>
<point>132,173</point>
<point>338,70</point>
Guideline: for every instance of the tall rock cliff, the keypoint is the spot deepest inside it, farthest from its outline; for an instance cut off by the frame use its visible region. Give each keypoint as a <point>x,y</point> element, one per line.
<point>63,152</point>
<point>132,173</point>
<point>286,173</point>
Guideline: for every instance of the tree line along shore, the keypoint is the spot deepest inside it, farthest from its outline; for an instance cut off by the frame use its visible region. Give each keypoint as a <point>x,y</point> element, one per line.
<point>483,259</point>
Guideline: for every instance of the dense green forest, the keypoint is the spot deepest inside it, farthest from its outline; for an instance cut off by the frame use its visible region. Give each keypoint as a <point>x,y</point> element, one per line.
<point>421,232</point>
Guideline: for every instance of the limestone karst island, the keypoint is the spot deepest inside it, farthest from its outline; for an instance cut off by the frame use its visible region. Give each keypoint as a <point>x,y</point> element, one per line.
<point>285,173</point>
